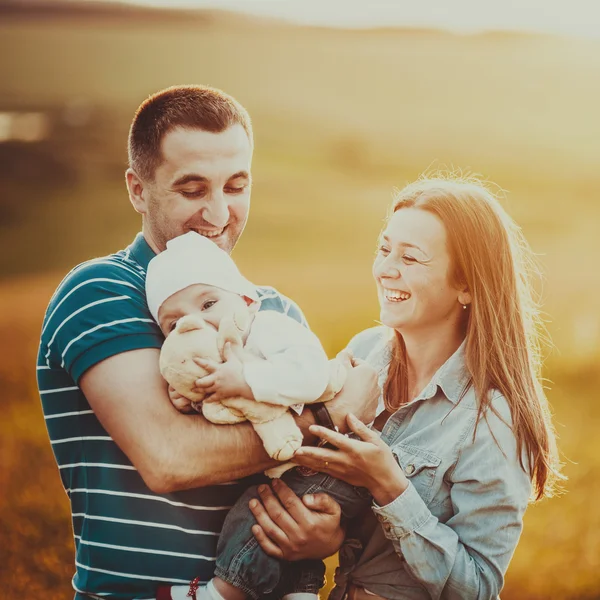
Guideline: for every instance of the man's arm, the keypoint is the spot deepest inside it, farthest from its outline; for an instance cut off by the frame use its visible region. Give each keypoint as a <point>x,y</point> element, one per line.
<point>173,451</point>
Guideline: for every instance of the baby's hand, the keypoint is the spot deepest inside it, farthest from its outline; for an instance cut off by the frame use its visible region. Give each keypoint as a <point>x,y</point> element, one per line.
<point>224,380</point>
<point>181,403</point>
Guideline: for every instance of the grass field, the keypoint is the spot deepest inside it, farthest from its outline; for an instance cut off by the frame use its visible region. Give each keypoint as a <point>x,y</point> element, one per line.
<point>340,119</point>
<point>559,553</point>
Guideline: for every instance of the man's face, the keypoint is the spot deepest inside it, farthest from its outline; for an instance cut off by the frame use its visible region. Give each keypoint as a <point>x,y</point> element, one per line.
<point>202,185</point>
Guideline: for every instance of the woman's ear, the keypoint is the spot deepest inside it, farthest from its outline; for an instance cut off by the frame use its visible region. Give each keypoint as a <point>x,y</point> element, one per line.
<point>464,296</point>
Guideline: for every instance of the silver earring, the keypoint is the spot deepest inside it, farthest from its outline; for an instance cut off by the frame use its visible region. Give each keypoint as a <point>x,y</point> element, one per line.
<point>464,307</point>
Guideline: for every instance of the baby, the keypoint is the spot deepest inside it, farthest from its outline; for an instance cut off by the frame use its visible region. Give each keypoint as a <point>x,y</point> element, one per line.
<point>195,278</point>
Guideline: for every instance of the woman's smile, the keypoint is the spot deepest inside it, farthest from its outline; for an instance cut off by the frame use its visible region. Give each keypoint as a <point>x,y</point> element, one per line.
<point>394,295</point>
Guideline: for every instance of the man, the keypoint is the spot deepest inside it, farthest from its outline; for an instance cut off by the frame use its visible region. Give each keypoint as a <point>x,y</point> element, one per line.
<point>150,487</point>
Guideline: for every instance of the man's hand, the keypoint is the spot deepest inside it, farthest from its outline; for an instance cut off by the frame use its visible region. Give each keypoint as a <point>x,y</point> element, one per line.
<point>291,528</point>
<point>224,380</point>
<point>359,395</point>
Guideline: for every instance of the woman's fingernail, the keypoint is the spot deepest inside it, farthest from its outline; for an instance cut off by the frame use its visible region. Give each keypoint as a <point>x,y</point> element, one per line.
<point>262,489</point>
<point>275,482</point>
<point>309,498</point>
<point>253,503</point>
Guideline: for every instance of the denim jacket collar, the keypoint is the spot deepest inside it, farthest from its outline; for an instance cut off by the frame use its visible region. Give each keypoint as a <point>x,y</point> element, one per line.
<point>452,378</point>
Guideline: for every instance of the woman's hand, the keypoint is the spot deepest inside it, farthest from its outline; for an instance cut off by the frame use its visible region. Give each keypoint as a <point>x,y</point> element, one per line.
<point>291,528</point>
<point>360,394</point>
<point>368,463</point>
<point>224,380</point>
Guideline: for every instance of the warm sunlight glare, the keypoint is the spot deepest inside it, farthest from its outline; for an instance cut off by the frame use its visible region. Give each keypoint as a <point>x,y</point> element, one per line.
<point>579,18</point>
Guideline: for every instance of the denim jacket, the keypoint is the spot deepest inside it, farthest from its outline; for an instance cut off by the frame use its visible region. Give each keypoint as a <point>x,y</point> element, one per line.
<point>452,532</point>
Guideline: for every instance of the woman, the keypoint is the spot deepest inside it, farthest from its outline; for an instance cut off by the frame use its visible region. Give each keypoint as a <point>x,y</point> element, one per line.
<point>465,428</point>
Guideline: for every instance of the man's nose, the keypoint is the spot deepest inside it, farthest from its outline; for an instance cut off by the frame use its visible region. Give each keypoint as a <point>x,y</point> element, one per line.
<point>216,211</point>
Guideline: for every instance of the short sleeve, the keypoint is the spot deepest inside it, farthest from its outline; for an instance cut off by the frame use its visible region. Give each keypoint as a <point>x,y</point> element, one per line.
<point>99,310</point>
<point>293,311</point>
<point>363,343</point>
<point>271,299</point>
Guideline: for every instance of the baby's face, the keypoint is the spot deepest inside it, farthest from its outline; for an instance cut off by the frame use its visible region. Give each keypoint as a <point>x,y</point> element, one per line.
<point>209,302</point>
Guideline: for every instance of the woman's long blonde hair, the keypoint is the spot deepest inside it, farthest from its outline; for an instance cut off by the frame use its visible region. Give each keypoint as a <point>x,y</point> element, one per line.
<point>489,254</point>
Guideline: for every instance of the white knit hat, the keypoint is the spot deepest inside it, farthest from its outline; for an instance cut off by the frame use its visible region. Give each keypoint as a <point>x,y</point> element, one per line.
<point>190,259</point>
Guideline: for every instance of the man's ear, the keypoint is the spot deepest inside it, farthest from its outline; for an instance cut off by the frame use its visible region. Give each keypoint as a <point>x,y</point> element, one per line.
<point>135,186</point>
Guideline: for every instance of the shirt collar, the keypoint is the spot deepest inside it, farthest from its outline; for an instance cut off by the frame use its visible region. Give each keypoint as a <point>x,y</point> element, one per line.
<point>141,251</point>
<point>453,378</point>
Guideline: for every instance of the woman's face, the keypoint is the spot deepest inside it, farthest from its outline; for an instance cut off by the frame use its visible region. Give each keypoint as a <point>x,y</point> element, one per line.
<point>412,270</point>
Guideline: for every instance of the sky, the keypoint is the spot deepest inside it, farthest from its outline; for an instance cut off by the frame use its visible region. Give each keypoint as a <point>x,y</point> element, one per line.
<point>579,18</point>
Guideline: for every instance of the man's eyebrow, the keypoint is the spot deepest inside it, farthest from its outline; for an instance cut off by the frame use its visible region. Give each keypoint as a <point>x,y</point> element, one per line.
<point>239,175</point>
<point>195,178</point>
<point>190,177</point>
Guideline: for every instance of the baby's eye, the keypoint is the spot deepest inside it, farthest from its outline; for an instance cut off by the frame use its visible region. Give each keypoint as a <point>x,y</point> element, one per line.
<point>208,304</point>
<point>384,250</point>
<point>407,258</point>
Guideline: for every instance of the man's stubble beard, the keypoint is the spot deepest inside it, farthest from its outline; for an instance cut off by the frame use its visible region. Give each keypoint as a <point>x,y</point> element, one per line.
<point>162,231</point>
<point>158,224</point>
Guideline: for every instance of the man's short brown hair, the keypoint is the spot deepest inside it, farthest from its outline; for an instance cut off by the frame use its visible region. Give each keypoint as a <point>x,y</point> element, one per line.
<point>191,106</point>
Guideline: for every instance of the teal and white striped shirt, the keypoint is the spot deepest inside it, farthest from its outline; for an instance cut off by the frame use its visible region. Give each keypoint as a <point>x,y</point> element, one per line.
<point>128,539</point>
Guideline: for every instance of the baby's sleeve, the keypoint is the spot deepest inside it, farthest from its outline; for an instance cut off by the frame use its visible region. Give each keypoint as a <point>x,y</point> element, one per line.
<point>294,367</point>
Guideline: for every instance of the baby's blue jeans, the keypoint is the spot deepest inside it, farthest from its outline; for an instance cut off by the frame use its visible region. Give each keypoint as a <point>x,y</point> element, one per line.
<point>242,562</point>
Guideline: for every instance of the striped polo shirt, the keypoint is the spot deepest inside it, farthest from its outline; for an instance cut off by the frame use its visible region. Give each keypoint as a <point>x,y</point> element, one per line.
<point>128,539</point>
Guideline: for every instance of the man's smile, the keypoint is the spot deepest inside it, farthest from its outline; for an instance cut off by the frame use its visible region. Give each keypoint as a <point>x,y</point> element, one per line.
<point>210,233</point>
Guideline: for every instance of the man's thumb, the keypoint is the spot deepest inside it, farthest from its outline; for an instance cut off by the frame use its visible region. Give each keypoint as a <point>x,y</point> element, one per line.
<point>322,503</point>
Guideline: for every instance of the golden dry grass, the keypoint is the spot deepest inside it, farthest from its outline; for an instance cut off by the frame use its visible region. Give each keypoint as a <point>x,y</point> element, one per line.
<point>558,557</point>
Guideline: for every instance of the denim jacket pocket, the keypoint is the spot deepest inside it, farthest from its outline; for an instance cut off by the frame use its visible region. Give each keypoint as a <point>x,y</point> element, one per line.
<point>420,467</point>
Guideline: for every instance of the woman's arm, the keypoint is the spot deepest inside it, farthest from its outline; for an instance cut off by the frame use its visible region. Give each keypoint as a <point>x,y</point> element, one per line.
<point>466,557</point>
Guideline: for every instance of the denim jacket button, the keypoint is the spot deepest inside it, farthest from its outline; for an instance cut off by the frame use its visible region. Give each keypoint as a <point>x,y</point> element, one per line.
<point>410,469</point>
